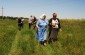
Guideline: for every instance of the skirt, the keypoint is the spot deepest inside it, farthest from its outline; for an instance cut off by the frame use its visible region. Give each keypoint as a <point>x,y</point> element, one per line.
<point>53,34</point>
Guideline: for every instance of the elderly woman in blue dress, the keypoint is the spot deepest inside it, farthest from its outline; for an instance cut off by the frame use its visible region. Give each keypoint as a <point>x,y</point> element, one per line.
<point>41,29</point>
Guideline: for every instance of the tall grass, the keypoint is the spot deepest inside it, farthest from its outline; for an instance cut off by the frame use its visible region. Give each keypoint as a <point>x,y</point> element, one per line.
<point>71,41</point>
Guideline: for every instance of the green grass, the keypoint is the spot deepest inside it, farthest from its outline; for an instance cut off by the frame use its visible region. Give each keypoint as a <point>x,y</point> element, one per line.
<point>71,41</point>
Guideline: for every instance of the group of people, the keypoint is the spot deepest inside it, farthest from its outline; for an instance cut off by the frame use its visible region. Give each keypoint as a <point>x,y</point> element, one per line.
<point>54,28</point>
<point>31,21</point>
<point>42,24</point>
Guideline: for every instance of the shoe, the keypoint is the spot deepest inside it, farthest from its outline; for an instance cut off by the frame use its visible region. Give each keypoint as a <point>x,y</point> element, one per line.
<point>44,44</point>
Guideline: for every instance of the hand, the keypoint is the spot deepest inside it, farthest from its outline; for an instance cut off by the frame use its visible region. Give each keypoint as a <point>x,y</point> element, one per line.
<point>60,30</point>
<point>37,26</point>
<point>53,24</point>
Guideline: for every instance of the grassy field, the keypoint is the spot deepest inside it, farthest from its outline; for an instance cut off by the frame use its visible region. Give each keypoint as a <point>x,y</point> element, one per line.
<point>71,41</point>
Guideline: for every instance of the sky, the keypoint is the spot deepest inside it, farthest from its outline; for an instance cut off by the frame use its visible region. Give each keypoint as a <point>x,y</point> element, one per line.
<point>25,8</point>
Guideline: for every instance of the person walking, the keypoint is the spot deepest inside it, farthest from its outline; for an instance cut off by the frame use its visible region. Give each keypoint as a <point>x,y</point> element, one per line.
<point>54,28</point>
<point>19,23</point>
<point>34,22</point>
<point>41,29</point>
<point>30,21</point>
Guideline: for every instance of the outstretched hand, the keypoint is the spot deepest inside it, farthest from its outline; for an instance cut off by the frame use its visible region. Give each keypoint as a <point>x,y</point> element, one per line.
<point>60,30</point>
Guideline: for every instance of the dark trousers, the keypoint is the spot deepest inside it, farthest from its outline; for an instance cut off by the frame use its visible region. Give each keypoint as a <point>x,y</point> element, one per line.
<point>30,24</point>
<point>19,26</point>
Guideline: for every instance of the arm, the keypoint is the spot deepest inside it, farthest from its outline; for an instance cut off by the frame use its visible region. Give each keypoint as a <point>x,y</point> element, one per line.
<point>37,26</point>
<point>59,25</point>
<point>50,22</point>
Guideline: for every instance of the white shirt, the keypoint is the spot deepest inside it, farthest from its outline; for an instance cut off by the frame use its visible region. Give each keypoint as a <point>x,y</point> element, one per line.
<point>55,22</point>
<point>22,20</point>
<point>30,19</point>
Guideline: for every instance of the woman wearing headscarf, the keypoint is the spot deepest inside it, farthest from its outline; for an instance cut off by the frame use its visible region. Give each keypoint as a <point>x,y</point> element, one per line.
<point>41,29</point>
<point>54,28</point>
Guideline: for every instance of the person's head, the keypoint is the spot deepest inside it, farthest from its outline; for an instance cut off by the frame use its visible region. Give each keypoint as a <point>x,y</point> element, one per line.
<point>34,17</point>
<point>19,18</point>
<point>54,15</point>
<point>43,16</point>
<point>31,16</point>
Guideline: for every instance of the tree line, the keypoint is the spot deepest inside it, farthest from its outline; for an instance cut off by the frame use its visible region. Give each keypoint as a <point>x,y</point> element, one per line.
<point>11,17</point>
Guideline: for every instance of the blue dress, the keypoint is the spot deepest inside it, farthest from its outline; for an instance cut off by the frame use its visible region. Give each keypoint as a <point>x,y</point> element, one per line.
<point>41,31</point>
